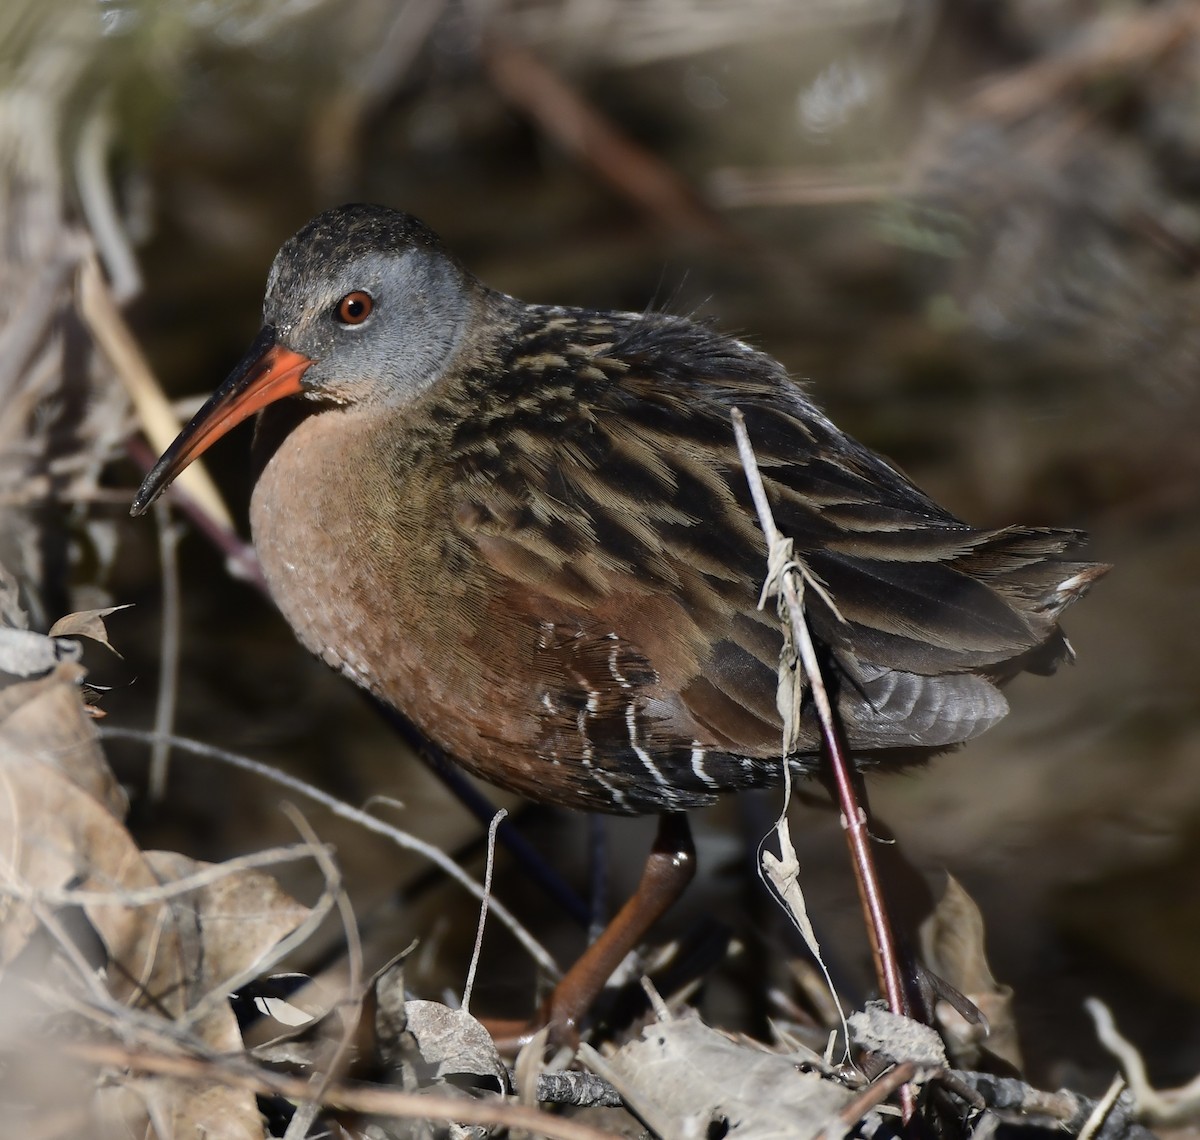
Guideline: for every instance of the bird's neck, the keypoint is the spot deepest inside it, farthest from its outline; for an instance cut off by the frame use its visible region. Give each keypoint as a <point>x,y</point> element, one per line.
<point>345,524</point>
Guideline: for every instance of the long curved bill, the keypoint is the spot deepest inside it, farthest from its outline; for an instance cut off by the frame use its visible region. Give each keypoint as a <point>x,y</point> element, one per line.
<point>268,372</point>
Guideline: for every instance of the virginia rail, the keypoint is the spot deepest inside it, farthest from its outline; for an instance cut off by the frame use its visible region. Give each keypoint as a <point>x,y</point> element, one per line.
<point>526,527</point>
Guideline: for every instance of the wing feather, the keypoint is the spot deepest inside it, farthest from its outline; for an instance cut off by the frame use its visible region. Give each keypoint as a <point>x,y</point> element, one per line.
<point>622,494</point>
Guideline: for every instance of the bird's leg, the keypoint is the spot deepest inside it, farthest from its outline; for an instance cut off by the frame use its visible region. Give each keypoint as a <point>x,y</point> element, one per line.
<point>668,870</point>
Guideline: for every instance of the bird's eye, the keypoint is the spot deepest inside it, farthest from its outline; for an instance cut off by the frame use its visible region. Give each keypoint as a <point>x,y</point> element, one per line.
<point>354,308</point>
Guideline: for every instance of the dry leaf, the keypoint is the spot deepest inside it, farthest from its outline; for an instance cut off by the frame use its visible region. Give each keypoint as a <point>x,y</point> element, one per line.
<point>226,928</point>
<point>687,1080</point>
<point>61,815</point>
<point>784,875</point>
<point>60,835</point>
<point>205,1108</point>
<point>44,722</point>
<point>452,1044</point>
<point>86,623</point>
<point>896,1037</point>
<point>952,944</point>
<point>24,653</point>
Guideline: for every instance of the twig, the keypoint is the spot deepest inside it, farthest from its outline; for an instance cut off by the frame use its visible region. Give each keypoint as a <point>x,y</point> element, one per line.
<point>634,1098</point>
<point>639,175</point>
<point>148,896</point>
<point>483,908</point>
<point>1137,38</point>
<point>876,1093</point>
<point>1104,1106</point>
<point>597,874</point>
<point>1166,1107</point>
<point>853,817</point>
<point>153,408</point>
<point>371,1101</point>
<point>580,1090</point>
<point>346,811</point>
<point>1015,1101</point>
<point>854,820</point>
<point>95,195</point>
<point>636,34</point>
<point>527,857</point>
<point>336,141</point>
<point>89,977</point>
<point>737,187</point>
<point>240,559</point>
<point>306,1112</point>
<point>168,653</point>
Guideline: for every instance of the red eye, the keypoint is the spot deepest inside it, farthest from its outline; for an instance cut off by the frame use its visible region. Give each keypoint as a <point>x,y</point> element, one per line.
<point>354,308</point>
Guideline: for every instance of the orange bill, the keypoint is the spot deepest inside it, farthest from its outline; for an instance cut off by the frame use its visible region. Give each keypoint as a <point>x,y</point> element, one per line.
<point>268,372</point>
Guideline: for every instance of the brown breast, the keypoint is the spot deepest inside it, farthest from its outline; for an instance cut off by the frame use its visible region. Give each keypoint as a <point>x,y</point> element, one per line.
<point>386,582</point>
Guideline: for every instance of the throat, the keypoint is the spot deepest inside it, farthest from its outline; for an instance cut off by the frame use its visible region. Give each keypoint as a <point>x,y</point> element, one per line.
<point>274,425</point>
<point>344,543</point>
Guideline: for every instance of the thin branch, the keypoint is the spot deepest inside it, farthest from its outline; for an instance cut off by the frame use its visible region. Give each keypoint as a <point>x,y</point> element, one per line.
<point>168,652</point>
<point>1165,1107</point>
<point>332,890</point>
<point>95,195</point>
<point>738,187</point>
<point>1113,46</point>
<point>346,811</point>
<point>1014,1101</point>
<point>875,1094</point>
<point>240,558</point>
<point>580,1090</point>
<point>637,173</point>
<point>1103,1109</point>
<point>483,908</point>
<point>368,1100</point>
<point>306,1112</point>
<point>854,821</point>
<point>148,896</point>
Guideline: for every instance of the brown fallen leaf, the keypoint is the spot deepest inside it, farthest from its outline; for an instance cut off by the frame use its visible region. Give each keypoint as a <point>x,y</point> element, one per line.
<point>952,945</point>
<point>87,623</point>
<point>158,951</point>
<point>43,722</point>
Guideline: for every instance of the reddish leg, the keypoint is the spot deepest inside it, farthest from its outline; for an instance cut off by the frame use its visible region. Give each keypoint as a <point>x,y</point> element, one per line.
<point>668,870</point>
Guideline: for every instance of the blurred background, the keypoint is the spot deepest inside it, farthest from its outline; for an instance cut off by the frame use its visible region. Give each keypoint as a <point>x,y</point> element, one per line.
<point>974,227</point>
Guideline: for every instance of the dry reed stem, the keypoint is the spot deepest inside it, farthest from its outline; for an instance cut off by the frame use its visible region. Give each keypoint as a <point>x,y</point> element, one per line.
<point>364,1100</point>
<point>153,408</point>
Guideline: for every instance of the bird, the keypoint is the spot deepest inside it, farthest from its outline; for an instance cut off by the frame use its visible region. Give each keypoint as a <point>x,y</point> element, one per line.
<point>526,528</point>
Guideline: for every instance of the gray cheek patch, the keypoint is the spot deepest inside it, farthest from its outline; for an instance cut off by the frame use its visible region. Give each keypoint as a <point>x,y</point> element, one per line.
<point>422,305</point>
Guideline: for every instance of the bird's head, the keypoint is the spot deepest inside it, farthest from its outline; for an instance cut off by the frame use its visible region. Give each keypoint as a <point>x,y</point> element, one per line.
<point>364,306</point>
